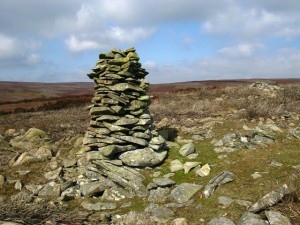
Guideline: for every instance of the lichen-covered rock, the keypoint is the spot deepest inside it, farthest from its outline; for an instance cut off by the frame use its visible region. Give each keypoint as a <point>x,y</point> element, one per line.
<point>220,221</point>
<point>187,149</point>
<point>222,178</point>
<point>276,218</point>
<point>270,199</point>
<point>143,157</point>
<point>185,191</point>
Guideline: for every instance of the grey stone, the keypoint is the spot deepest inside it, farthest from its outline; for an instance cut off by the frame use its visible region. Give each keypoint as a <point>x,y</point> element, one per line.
<point>203,171</point>
<point>176,165</point>
<point>126,121</point>
<point>143,157</point>
<point>274,163</point>
<point>225,201</point>
<point>98,206</point>
<point>179,205</point>
<point>22,196</point>
<point>156,174</point>
<point>124,176</point>
<point>222,178</point>
<point>52,175</point>
<point>69,162</point>
<point>256,175</point>
<point>116,194</point>
<point>270,199</point>
<point>163,182</point>
<point>220,221</point>
<point>70,193</point>
<point>187,149</point>
<point>276,218</point>
<point>180,221</point>
<point>114,128</point>
<point>124,87</point>
<point>93,188</point>
<point>251,219</point>
<point>34,188</point>
<point>50,190</point>
<point>185,191</point>
<point>159,195</point>
<point>159,212</point>
<point>131,139</point>
<point>190,165</point>
<point>244,203</point>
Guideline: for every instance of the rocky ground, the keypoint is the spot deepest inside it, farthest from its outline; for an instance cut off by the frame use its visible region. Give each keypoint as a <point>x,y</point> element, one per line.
<point>233,159</point>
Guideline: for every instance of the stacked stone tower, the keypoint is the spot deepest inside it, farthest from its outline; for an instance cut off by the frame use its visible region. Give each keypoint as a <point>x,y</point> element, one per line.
<point>120,134</point>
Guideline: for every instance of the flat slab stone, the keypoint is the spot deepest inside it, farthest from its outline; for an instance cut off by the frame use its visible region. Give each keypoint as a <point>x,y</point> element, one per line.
<point>143,157</point>
<point>276,218</point>
<point>185,191</point>
<point>220,221</point>
<point>163,182</point>
<point>187,149</point>
<point>98,206</point>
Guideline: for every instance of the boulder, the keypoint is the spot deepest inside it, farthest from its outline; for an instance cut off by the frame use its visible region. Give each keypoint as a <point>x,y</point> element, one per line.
<point>276,218</point>
<point>143,157</point>
<point>187,149</point>
<point>185,191</point>
<point>220,221</point>
<point>176,165</point>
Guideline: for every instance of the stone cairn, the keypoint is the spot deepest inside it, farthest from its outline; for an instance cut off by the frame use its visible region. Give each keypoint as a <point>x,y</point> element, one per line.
<point>121,135</point>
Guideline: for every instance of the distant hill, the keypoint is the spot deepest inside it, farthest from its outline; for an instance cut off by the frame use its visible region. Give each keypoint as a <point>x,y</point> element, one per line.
<point>26,96</point>
<point>20,91</point>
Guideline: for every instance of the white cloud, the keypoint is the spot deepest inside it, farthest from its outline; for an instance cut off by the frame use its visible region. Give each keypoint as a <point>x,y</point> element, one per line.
<point>13,50</point>
<point>33,59</point>
<point>8,46</point>
<point>241,50</point>
<point>249,23</point>
<point>285,63</point>
<point>76,45</point>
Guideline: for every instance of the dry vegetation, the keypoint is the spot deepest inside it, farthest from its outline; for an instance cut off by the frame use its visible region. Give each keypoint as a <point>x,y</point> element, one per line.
<point>65,118</point>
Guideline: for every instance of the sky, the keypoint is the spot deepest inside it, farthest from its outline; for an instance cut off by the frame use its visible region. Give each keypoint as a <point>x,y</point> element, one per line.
<point>177,40</point>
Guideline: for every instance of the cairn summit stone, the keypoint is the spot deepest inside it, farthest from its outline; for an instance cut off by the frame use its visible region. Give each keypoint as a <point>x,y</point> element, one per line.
<point>121,132</point>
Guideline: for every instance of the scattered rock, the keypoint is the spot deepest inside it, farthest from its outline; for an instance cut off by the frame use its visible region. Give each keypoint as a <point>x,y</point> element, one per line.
<point>143,157</point>
<point>190,165</point>
<point>220,221</point>
<point>222,178</point>
<point>256,175</point>
<point>276,218</point>
<point>274,163</point>
<point>225,201</point>
<point>116,194</point>
<point>203,171</point>
<point>52,175</point>
<point>187,149</point>
<point>50,190</point>
<point>98,206</point>
<point>159,212</point>
<point>159,195</point>
<point>163,182</point>
<point>176,165</point>
<point>185,191</point>
<point>179,221</point>
<point>269,199</point>
<point>244,203</point>
<point>251,219</point>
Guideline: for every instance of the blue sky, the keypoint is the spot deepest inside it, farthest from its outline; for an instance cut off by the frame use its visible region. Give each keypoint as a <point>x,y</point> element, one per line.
<point>60,40</point>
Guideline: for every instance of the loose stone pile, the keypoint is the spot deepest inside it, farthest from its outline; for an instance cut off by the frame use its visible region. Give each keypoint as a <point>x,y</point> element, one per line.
<point>121,126</point>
